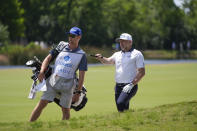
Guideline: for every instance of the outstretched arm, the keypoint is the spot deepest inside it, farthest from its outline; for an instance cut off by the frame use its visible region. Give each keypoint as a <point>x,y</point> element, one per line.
<point>104,60</point>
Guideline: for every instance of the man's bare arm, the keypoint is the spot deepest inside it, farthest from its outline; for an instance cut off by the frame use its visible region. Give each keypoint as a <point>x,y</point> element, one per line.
<point>81,79</point>
<point>140,74</point>
<point>105,60</point>
<point>80,85</point>
<point>44,66</point>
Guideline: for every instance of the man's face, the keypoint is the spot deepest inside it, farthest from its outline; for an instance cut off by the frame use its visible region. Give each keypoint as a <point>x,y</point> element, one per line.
<point>125,45</point>
<point>73,39</point>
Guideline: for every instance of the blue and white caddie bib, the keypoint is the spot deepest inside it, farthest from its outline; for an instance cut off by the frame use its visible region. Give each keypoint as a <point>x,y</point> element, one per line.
<point>67,62</point>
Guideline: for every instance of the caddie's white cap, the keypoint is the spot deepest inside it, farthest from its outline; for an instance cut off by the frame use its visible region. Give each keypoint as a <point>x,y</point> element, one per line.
<point>125,36</point>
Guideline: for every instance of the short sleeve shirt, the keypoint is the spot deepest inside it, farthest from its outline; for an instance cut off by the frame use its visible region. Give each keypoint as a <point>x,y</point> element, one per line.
<point>126,64</point>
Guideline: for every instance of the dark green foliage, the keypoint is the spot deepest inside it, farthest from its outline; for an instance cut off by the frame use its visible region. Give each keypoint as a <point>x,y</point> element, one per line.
<point>4,34</point>
<point>11,16</point>
<point>154,24</point>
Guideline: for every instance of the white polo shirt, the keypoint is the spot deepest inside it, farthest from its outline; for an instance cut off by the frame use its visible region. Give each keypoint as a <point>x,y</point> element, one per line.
<point>126,64</point>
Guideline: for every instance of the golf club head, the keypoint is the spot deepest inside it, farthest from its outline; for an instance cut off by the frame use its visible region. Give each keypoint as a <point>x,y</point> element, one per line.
<point>30,63</point>
<point>33,64</point>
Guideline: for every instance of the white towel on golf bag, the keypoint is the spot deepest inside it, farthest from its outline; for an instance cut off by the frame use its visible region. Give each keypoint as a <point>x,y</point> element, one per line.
<point>35,88</point>
<point>41,86</point>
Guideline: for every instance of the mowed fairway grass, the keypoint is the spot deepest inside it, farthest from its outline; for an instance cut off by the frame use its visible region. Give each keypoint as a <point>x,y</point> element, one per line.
<point>162,84</point>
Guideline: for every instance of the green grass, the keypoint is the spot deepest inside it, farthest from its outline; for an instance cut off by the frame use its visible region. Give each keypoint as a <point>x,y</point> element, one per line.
<point>162,84</point>
<point>170,117</point>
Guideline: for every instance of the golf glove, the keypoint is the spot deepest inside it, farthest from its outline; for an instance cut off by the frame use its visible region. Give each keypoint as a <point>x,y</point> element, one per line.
<point>127,88</point>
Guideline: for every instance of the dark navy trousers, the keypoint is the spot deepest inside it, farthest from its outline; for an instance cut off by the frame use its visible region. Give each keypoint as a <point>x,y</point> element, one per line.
<point>122,99</point>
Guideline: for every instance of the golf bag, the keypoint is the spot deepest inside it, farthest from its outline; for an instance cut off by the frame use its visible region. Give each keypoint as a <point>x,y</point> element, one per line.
<point>36,66</point>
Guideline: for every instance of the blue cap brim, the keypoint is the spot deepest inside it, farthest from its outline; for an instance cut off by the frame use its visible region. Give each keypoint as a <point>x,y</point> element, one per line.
<point>75,31</point>
<point>67,33</point>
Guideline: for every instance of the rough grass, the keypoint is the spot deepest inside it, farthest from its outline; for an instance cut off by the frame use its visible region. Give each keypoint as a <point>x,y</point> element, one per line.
<point>171,117</point>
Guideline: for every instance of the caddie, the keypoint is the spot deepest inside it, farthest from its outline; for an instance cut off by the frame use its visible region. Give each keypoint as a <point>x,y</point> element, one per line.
<point>68,59</point>
<point>130,68</point>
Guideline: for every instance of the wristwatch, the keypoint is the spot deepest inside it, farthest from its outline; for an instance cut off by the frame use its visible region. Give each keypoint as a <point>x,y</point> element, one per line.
<point>78,91</point>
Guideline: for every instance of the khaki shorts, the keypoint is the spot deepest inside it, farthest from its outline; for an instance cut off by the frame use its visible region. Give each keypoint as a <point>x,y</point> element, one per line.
<point>58,85</point>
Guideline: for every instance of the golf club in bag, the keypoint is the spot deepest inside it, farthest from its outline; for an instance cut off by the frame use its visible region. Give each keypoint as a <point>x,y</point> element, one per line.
<point>35,64</point>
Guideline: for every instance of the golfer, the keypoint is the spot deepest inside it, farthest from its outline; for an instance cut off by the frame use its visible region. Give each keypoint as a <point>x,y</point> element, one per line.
<point>130,68</point>
<point>69,58</point>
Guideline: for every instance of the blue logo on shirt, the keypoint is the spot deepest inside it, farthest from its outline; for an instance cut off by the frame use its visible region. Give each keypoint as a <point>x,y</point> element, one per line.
<point>67,58</point>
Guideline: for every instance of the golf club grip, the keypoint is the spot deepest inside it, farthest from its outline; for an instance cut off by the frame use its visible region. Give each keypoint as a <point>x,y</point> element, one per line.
<point>95,56</point>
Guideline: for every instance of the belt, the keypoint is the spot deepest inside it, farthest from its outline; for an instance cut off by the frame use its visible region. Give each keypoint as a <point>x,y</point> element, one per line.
<point>121,84</point>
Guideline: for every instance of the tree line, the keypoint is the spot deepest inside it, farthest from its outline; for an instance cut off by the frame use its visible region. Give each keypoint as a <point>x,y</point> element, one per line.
<point>153,24</point>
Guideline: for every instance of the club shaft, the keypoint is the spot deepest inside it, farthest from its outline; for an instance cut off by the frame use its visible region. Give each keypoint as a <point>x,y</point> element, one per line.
<point>95,56</point>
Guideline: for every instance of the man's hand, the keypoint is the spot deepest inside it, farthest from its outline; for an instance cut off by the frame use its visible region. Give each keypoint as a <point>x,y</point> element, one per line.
<point>41,76</point>
<point>99,56</point>
<point>75,97</point>
<point>127,88</point>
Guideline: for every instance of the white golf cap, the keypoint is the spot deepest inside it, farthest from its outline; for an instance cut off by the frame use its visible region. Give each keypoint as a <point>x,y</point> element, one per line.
<point>125,36</point>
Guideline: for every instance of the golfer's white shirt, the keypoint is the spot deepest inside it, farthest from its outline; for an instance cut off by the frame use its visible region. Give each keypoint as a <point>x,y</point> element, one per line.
<point>126,64</point>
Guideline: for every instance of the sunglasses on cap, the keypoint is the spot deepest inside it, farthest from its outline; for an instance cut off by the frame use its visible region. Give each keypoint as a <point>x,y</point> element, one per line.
<point>72,35</point>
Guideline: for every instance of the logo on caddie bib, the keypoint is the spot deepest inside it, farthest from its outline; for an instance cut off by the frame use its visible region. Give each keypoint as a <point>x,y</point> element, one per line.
<point>67,58</point>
